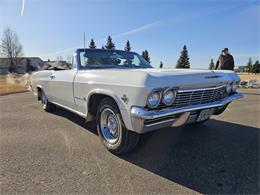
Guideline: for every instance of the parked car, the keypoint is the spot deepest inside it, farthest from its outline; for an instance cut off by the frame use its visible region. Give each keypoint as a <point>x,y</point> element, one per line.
<point>127,97</point>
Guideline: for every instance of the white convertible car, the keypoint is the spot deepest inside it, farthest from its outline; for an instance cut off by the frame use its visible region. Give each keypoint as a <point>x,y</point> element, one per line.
<point>127,97</point>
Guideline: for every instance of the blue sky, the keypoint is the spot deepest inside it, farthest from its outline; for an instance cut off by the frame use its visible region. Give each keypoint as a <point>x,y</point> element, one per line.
<point>51,28</point>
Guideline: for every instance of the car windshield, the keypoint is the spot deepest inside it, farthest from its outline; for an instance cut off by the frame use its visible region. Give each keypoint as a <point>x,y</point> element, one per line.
<point>103,58</point>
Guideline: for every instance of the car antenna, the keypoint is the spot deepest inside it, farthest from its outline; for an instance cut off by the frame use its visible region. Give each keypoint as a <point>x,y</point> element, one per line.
<point>84,42</point>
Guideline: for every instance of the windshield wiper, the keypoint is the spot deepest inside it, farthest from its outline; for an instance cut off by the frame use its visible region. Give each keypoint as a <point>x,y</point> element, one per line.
<point>133,66</point>
<point>100,66</point>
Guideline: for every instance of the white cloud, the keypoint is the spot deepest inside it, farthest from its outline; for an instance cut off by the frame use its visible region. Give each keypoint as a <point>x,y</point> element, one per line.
<point>139,29</point>
<point>123,34</point>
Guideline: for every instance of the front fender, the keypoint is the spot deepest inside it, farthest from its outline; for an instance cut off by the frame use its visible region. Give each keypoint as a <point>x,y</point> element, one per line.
<point>109,93</point>
<point>120,103</point>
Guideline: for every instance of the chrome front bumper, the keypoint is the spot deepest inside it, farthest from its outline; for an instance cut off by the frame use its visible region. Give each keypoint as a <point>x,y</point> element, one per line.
<point>170,116</point>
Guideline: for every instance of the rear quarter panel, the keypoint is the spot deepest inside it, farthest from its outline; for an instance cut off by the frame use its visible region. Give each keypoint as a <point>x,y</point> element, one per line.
<point>41,79</point>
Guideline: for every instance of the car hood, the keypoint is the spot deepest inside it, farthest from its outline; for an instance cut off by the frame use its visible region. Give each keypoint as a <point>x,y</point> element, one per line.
<point>154,78</point>
<point>187,78</point>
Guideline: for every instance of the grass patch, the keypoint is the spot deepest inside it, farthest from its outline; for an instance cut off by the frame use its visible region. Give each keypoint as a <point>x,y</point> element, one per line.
<point>249,76</point>
<point>13,83</point>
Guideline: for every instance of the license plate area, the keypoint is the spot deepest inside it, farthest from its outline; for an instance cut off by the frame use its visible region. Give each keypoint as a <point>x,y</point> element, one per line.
<point>205,114</point>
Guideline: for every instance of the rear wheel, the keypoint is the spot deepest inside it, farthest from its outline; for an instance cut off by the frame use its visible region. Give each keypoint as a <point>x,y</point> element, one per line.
<point>46,105</point>
<point>112,132</point>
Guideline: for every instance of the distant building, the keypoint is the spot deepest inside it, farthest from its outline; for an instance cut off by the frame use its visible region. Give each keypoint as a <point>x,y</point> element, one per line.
<point>36,62</point>
<point>4,65</point>
<point>240,69</point>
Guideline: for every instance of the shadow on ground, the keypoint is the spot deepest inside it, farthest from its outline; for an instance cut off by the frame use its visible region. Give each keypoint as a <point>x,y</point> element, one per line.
<point>91,126</point>
<point>216,157</point>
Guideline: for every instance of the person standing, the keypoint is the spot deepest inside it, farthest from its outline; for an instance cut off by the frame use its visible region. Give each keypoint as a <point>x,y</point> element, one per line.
<point>225,61</point>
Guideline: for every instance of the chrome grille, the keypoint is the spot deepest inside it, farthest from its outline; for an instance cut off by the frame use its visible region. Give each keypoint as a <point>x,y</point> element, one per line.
<point>198,96</point>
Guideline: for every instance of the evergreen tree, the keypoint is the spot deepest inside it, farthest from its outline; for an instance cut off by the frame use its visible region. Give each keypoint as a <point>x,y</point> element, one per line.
<point>211,65</point>
<point>249,65</point>
<point>128,47</point>
<point>110,44</point>
<point>145,55</point>
<point>183,61</point>
<point>92,44</point>
<point>256,67</point>
<point>161,64</point>
<point>91,60</point>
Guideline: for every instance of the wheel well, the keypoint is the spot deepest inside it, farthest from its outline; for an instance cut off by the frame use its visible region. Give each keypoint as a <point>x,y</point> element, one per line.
<point>39,91</point>
<point>94,101</point>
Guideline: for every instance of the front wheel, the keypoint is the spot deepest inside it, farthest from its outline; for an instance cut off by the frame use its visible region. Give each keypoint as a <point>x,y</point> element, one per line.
<point>112,132</point>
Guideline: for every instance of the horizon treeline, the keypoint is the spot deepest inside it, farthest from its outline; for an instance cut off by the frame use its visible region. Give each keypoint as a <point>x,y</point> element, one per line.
<point>10,47</point>
<point>182,62</point>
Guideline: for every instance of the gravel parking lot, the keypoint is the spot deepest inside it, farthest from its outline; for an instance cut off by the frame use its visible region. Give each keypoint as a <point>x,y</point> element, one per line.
<point>58,153</point>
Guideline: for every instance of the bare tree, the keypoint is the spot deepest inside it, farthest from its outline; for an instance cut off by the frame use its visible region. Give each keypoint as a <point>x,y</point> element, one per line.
<point>11,48</point>
<point>69,62</point>
<point>69,59</point>
<point>59,58</point>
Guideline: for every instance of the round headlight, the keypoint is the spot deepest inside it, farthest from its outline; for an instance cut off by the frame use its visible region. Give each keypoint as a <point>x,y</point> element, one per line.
<point>229,88</point>
<point>235,86</point>
<point>154,99</point>
<point>168,97</point>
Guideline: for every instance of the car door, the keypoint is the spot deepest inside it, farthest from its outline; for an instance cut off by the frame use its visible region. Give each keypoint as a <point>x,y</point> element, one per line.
<point>61,87</point>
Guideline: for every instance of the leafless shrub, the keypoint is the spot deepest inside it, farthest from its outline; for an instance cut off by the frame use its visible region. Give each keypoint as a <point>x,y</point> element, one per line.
<point>11,48</point>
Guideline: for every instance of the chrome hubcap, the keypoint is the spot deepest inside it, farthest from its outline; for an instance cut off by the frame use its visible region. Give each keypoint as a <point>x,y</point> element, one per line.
<point>44,101</point>
<point>109,124</point>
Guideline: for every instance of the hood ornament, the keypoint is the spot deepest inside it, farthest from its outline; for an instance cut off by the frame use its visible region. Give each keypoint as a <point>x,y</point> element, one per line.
<point>212,77</point>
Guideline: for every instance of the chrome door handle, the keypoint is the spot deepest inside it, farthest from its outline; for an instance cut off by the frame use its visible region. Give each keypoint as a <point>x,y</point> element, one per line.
<point>52,76</point>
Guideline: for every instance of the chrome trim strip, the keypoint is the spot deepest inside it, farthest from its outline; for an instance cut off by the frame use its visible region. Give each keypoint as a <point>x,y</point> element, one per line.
<point>160,122</point>
<point>140,112</point>
<point>200,89</point>
<point>70,109</point>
